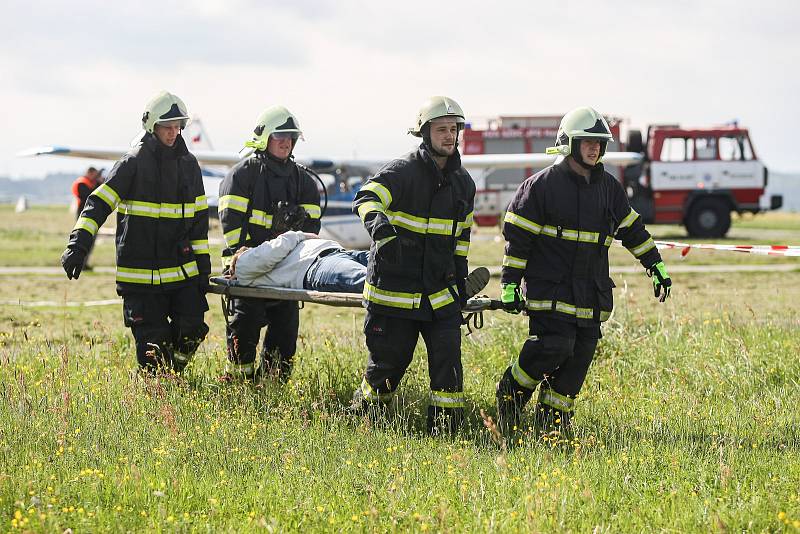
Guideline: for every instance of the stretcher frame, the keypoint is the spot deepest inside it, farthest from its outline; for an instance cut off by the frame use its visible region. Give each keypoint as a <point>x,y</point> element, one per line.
<point>473,311</point>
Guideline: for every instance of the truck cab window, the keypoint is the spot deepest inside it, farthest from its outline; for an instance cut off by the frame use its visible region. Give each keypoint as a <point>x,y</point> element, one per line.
<point>705,148</point>
<point>674,149</point>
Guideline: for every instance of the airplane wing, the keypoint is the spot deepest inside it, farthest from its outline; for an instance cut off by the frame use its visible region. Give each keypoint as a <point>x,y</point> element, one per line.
<point>204,157</point>
<point>521,161</point>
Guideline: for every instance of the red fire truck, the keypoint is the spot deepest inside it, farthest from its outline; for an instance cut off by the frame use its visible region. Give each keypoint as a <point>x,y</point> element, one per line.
<point>695,177</point>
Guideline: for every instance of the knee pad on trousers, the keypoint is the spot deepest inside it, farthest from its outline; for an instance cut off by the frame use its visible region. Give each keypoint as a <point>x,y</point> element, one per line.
<point>541,355</point>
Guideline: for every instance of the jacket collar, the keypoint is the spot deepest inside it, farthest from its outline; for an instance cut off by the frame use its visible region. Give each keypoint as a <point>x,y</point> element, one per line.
<point>595,175</point>
<point>278,167</point>
<point>152,143</point>
<point>453,162</point>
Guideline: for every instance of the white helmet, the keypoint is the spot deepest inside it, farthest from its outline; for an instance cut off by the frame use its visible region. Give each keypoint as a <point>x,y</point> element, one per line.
<point>164,107</point>
<point>581,123</point>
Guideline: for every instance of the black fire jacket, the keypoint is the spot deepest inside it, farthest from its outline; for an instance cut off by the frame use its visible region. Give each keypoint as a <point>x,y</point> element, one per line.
<point>256,185</point>
<point>419,218</point>
<point>558,230</point>
<point>162,217</point>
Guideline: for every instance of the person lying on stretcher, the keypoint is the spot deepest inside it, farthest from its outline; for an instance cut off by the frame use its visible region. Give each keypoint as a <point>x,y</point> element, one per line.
<point>299,260</point>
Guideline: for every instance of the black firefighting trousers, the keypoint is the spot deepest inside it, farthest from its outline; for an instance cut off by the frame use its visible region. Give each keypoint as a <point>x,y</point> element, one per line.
<point>167,326</point>
<point>249,316</point>
<point>391,342</point>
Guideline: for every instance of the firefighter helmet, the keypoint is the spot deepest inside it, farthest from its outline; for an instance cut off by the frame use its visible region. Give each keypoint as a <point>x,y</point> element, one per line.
<point>164,107</point>
<point>276,119</point>
<point>581,123</point>
<point>435,107</point>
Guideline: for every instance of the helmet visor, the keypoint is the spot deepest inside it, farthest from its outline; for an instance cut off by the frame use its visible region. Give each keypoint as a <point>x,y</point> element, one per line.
<point>285,135</point>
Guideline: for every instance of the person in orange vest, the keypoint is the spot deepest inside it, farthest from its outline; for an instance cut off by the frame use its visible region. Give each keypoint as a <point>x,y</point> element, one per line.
<point>83,186</point>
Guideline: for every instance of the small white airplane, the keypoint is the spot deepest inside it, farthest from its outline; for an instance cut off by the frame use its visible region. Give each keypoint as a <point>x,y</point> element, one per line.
<point>338,221</point>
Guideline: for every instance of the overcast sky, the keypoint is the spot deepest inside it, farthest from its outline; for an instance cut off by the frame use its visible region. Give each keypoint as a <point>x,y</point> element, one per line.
<point>355,73</point>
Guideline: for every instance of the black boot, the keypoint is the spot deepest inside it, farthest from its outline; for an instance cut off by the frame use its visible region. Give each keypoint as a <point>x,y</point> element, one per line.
<point>511,399</point>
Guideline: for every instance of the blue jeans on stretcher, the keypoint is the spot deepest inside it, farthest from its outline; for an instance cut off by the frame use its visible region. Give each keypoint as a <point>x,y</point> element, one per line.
<point>341,271</point>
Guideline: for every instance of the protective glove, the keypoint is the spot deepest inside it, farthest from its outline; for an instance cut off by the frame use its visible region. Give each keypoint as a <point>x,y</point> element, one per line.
<point>662,283</point>
<point>511,297</point>
<point>73,259</point>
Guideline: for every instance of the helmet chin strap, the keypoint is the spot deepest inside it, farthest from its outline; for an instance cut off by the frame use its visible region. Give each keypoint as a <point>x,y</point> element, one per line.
<point>426,139</point>
<point>575,152</point>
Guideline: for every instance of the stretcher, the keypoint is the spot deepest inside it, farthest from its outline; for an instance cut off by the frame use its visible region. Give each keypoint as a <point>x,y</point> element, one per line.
<point>473,311</point>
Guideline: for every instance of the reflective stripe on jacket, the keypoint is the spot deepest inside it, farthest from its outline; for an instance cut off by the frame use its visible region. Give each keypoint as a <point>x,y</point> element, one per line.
<point>162,217</point>
<point>558,229</point>
<point>419,218</point>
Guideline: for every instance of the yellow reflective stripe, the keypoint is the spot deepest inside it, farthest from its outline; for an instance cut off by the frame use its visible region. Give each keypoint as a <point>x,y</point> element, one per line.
<point>462,248</point>
<point>408,221</point>
<point>157,276</point>
<point>240,370</point>
<point>441,299</point>
<point>645,247</point>
<point>609,240</point>
<point>200,246</point>
<point>517,263</point>
<point>107,195</point>
<point>440,226</point>
<point>523,378</point>
<point>466,223</point>
<point>314,211</point>
<point>233,202</point>
<point>556,400</point>
<point>522,222</point>
<point>232,238</point>
<point>372,395</point>
<point>448,399</point>
<point>85,223</point>
<point>394,299</point>
<point>566,308</point>
<point>384,194</point>
<point>628,220</point>
<point>153,210</point>
<point>201,203</point>
<point>261,218</point>
<point>369,207</point>
<point>142,209</point>
<point>582,236</point>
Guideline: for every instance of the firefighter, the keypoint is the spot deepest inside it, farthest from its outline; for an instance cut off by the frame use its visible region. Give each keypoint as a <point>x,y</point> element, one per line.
<point>558,229</point>
<point>418,211</point>
<point>163,258</point>
<point>261,197</point>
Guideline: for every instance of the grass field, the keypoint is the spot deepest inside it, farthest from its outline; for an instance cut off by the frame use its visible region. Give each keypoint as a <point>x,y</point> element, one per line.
<point>688,420</point>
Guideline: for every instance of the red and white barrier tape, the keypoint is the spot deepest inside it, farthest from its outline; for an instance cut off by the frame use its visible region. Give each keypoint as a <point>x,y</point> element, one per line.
<point>764,250</point>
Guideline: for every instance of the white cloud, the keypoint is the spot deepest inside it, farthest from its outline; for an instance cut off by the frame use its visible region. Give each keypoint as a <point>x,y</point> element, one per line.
<point>355,72</point>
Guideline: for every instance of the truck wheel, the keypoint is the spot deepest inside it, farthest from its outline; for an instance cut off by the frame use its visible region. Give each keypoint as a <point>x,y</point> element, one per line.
<point>635,142</point>
<point>709,217</point>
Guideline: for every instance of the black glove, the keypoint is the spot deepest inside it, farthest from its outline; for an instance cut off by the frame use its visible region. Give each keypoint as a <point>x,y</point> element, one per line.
<point>73,259</point>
